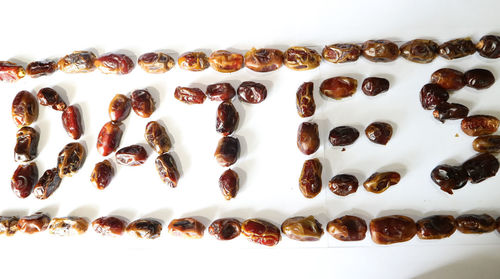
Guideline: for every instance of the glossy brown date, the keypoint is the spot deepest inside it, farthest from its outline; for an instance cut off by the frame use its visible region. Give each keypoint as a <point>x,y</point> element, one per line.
<point>220,92</point>
<point>114,63</point>
<point>193,61</point>
<point>489,46</point>
<point>338,87</point>
<point>457,48</point>
<point>305,100</point>
<point>109,226</point>
<point>187,228</point>
<point>102,174</point>
<point>448,79</point>
<point>142,103</point>
<point>24,109</point>
<point>70,159</point>
<point>475,224</point>
<point>341,53</point>
<point>133,155</point>
<point>479,78</point>
<point>225,61</point>
<point>379,132</point>
<point>479,125</point>
<point>347,228</point>
<point>302,228</point>
<point>229,184</point>
<point>481,167</point>
<point>373,86</point>
<point>227,152</point>
<point>72,122</point>
<point>225,228</point>
<point>26,144</point>
<point>490,143</point>
<point>449,178</point>
<point>157,137</point>
<point>301,58</point>
<point>378,182</point>
<point>34,223</point>
<point>77,62</point>
<point>310,178</point>
<point>453,111</point>
<point>436,227</point>
<point>380,50</point>
<point>392,229</point>
<point>109,138</point>
<point>252,92</point>
<point>343,184</point>
<point>226,118</point>
<point>68,226</point>
<point>432,95</point>
<point>47,184</point>
<point>156,62</point>
<point>23,180</point>
<point>167,169</point>
<point>49,97</point>
<point>41,68</point>
<point>261,232</point>
<point>308,138</point>
<point>419,51</point>
<point>119,108</point>
<point>343,135</point>
<point>189,95</point>
<point>146,228</point>
<point>11,72</point>
<point>263,59</point>
<point>8,225</point>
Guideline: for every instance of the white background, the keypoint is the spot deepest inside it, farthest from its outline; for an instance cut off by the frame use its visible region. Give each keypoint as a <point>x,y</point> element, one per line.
<point>270,162</point>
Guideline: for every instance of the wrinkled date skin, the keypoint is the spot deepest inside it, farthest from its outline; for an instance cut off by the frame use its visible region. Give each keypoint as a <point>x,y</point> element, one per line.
<point>109,226</point>
<point>343,184</point>
<point>109,138</point>
<point>347,228</point>
<point>305,100</point>
<point>156,62</point>
<point>432,95</point>
<point>373,86</point>
<point>225,61</point>
<point>302,228</point>
<point>26,144</point>
<point>379,132</point>
<point>41,68</point>
<point>11,72</point>
<point>102,174</point>
<point>167,169</point>
<point>24,179</point>
<point>489,46</point>
<point>436,227</point>
<point>481,167</point>
<point>145,228</point>
<point>157,137</point>
<point>229,184</point>
<point>261,232</point>
<point>220,92</point>
<point>419,51</point>
<point>226,119</point>
<point>449,178</point>
<point>448,79</point>
<point>47,184</point>
<point>133,155</point>
<point>392,229</point>
<point>49,97</point>
<point>380,50</point>
<point>479,78</point>
<point>187,228</point>
<point>308,138</point>
<point>70,159</point>
<point>301,58</point>
<point>68,226</point>
<point>24,109</point>
<point>381,181</point>
<point>338,87</point>
<point>227,152</point>
<point>142,103</point>
<point>114,63</point>
<point>193,61</point>
<point>72,122</point>
<point>252,92</point>
<point>225,228</point>
<point>479,125</point>
<point>37,222</point>
<point>341,53</point>
<point>119,108</point>
<point>490,143</point>
<point>453,111</point>
<point>77,62</point>
<point>310,178</point>
<point>263,59</point>
<point>8,225</point>
<point>457,48</point>
<point>343,135</point>
<point>189,95</point>
<point>475,224</point>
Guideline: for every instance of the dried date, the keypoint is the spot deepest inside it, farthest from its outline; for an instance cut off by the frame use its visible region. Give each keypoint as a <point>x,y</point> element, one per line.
<point>302,228</point>
<point>343,135</point>
<point>11,72</point>
<point>70,159</point>
<point>432,95</point>
<point>263,59</point>
<point>102,174</point>
<point>448,79</point>
<point>392,229</point>
<point>187,228</point>
<point>347,228</point>
<point>41,68</point>
<point>8,225</point>
<point>373,86</point>
<point>305,100</point>
<point>72,122</point>
<point>157,137</point>
<point>457,48</point>
<point>343,184</point>
<point>225,61</point>
<point>167,169</point>
<point>146,228</point>
<point>26,144</point>
<point>189,95</point>
<point>379,132</point>
<point>436,227</point>
<point>338,87</point>
<point>479,125</point>
<point>119,108</point>
<point>220,92</point>
<point>49,97</point>
<point>109,138</point>
<point>77,62</point>
<point>114,63</point>
<point>419,51</point>
<point>308,138</point>
<point>453,111</point>
<point>34,223</point>
<point>475,224</point>
<point>481,167</point>
<point>142,103</point>
<point>449,178</point>
<point>47,184</point>
<point>252,92</point>
<point>23,180</point>
<point>479,78</point>
<point>380,50</point>
<point>226,119</point>
<point>133,155</point>
<point>489,143</point>
<point>68,226</point>
<point>341,53</point>
<point>24,109</point>
<point>109,226</point>
<point>156,62</point>
<point>225,228</point>
<point>378,182</point>
<point>193,61</point>
<point>301,58</point>
<point>489,46</point>
<point>310,178</point>
<point>227,152</point>
<point>229,184</point>
<point>261,232</point>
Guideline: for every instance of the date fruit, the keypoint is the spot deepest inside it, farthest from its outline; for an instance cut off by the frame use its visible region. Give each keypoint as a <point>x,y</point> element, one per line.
<point>23,180</point>
<point>225,61</point>
<point>220,92</point>
<point>193,61</point>
<point>453,111</point>
<point>229,184</point>
<point>343,135</point>
<point>489,143</point>
<point>102,174</point>
<point>47,184</point>
<point>301,58</point>
<point>392,229</point>
<point>156,62</point>
<point>479,125</point>
<point>380,50</point>
<point>109,138</point>
<point>225,228</point>
<point>26,144</point>
<point>133,155</point>
<point>373,86</point>
<point>310,178</point>
<point>70,159</point>
<point>338,87</point>
<point>226,119</point>
<point>227,152</point>
<point>11,72</point>
<point>68,226</point>
<point>479,78</point>
<point>72,122</point>
<point>157,137</point>
<point>481,167</point>
<point>432,95</point>
<point>187,228</point>
<point>341,53</point>
<point>119,108</point>
<point>8,225</point>
<point>449,178</point>
<point>261,232</point>
<point>457,48</point>
<point>475,224</point>
<point>49,97</point>
<point>167,169</point>
<point>343,184</point>
<point>302,228</point>
<point>142,103</point>
<point>436,227</point>
<point>263,59</point>
<point>146,228</point>
<point>109,226</point>
<point>347,228</point>
<point>114,63</point>
<point>379,132</point>
<point>252,92</point>
<point>489,46</point>
<point>305,100</point>
<point>24,109</point>
<point>77,62</point>
<point>448,79</point>
<point>308,138</point>
<point>189,95</point>
<point>41,68</point>
<point>419,51</point>
<point>34,223</point>
<point>378,182</point>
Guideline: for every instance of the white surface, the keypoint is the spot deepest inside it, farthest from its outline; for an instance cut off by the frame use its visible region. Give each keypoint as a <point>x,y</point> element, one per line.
<point>270,162</point>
